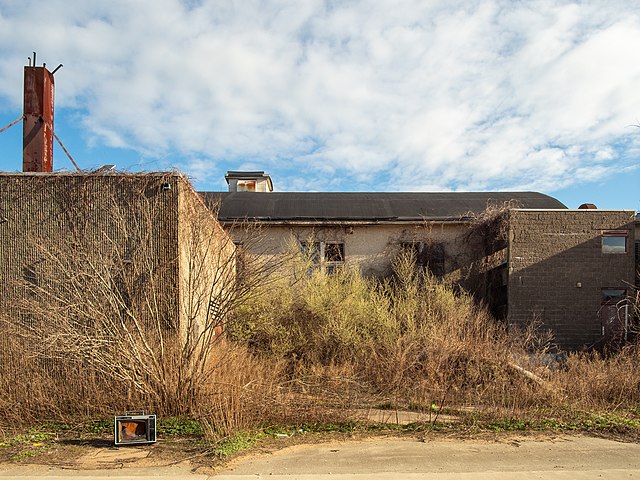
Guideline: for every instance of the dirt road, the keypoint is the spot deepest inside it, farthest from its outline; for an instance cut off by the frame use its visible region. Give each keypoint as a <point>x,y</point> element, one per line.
<point>561,457</point>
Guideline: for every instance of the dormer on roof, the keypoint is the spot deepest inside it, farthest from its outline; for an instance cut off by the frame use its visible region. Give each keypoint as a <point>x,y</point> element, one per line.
<point>248,181</point>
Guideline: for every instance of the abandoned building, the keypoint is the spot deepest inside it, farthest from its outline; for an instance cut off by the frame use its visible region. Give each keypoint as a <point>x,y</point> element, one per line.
<point>532,260</point>
<point>538,261</point>
<point>137,228</point>
<point>143,231</point>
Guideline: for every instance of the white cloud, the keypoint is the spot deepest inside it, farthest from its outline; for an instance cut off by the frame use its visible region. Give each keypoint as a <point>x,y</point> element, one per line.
<point>387,94</point>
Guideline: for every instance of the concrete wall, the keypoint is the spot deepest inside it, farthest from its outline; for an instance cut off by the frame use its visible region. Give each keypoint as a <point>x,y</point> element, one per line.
<point>524,268</point>
<point>207,264</point>
<point>369,247</point>
<point>557,270</point>
<point>469,259</point>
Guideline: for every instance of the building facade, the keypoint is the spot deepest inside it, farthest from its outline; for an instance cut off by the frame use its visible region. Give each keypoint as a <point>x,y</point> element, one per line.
<point>532,260</point>
<point>573,271</point>
<point>142,234</point>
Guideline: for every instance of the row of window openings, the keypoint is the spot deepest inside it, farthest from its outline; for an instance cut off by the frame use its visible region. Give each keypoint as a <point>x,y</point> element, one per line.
<point>331,255</point>
<point>615,242</point>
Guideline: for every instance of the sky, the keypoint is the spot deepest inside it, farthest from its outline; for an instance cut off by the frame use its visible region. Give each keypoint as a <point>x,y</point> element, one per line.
<point>329,95</point>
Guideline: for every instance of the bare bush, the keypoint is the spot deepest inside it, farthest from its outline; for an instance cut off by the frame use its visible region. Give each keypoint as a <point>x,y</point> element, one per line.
<point>134,294</point>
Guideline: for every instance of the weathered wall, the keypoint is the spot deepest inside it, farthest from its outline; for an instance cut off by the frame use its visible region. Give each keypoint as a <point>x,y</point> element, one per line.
<point>207,264</point>
<point>557,270</point>
<point>117,217</point>
<point>369,247</point>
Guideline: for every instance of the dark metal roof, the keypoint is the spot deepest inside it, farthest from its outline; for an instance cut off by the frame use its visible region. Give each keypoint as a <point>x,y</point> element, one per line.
<point>330,207</point>
<point>244,174</point>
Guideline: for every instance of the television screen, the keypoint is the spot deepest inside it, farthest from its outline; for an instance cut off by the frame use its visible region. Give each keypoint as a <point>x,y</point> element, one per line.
<point>134,429</point>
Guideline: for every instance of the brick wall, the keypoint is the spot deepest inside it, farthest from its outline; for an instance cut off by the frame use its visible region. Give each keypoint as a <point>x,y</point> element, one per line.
<point>108,214</point>
<point>557,270</point>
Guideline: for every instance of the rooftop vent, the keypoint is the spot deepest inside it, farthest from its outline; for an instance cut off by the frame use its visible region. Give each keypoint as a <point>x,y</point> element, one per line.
<point>256,181</point>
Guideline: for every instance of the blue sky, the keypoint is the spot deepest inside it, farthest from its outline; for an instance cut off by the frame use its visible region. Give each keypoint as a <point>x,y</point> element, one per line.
<point>402,95</point>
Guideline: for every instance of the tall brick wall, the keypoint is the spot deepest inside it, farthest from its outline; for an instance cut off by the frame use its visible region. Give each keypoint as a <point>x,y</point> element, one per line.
<point>557,270</point>
<point>87,212</point>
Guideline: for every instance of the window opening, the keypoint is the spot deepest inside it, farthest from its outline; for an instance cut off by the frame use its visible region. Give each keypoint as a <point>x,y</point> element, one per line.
<point>334,252</point>
<point>614,241</point>
<point>246,185</point>
<point>333,257</point>
<point>311,250</point>
<point>429,256</point>
<point>326,255</point>
<point>613,295</point>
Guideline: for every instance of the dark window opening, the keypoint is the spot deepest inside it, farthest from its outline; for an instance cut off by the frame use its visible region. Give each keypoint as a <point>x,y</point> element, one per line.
<point>326,255</point>
<point>311,250</point>
<point>430,256</point>
<point>435,259</point>
<point>334,252</point>
<point>613,295</point>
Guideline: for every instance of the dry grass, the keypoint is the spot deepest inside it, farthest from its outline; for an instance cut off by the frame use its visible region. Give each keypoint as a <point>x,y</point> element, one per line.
<point>598,382</point>
<point>302,348</point>
<point>411,339</point>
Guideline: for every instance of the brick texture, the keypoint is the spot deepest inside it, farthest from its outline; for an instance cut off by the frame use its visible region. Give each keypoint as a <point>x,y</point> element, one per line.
<point>557,270</point>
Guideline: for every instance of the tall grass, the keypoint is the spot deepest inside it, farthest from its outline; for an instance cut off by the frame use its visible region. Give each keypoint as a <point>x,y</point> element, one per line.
<point>410,337</point>
<point>311,347</point>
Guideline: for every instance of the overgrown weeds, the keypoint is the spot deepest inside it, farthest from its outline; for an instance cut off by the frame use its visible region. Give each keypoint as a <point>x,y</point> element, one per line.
<point>303,350</point>
<point>410,338</point>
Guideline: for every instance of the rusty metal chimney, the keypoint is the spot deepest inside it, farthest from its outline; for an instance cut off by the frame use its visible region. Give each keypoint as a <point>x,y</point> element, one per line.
<point>37,137</point>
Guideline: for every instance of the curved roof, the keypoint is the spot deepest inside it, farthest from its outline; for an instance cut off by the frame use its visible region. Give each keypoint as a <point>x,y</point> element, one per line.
<point>330,207</point>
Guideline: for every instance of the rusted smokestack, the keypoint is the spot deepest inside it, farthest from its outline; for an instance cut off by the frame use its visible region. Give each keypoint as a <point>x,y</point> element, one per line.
<point>37,136</point>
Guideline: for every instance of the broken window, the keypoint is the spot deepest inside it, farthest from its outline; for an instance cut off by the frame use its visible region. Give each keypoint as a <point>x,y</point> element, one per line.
<point>614,241</point>
<point>333,256</point>
<point>326,255</point>
<point>429,256</point>
<point>334,252</point>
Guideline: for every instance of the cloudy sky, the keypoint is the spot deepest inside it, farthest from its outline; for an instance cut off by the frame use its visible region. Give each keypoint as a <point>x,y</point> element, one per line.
<point>380,95</point>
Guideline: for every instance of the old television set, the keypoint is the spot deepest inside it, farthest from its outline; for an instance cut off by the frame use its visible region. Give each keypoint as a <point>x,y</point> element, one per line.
<point>134,429</point>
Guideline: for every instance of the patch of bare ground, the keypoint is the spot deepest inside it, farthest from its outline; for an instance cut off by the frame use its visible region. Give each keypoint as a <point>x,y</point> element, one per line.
<point>193,454</point>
